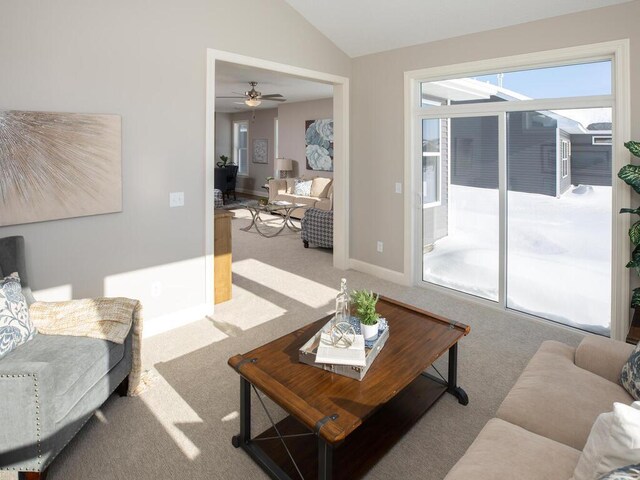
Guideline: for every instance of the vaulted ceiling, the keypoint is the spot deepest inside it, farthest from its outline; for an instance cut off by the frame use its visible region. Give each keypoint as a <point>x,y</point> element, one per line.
<point>361,27</point>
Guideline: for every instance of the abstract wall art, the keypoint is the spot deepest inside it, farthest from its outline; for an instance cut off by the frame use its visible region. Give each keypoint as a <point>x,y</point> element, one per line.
<point>58,165</point>
<point>319,144</point>
<point>260,150</point>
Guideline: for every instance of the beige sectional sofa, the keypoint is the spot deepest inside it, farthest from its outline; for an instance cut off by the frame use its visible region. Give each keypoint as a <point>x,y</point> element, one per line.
<point>321,196</point>
<point>543,423</point>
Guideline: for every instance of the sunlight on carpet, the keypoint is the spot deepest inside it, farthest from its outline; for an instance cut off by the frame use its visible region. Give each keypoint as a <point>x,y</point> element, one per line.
<point>303,290</point>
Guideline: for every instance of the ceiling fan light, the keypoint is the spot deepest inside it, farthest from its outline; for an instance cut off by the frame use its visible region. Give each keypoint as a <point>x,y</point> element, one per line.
<point>252,102</point>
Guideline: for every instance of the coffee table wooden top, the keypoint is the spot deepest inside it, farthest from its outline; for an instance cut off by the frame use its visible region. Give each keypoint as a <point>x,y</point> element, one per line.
<point>417,338</point>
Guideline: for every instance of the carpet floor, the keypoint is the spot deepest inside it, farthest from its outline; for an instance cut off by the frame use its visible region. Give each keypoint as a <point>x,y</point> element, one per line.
<point>182,426</point>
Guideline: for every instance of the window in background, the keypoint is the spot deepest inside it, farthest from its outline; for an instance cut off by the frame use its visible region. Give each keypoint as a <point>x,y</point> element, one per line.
<point>276,147</point>
<point>240,144</point>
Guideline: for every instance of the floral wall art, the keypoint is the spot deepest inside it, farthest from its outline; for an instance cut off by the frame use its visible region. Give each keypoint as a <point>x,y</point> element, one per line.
<point>260,150</point>
<point>58,165</point>
<point>319,144</point>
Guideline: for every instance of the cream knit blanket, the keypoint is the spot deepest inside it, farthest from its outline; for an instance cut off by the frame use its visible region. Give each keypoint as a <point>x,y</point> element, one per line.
<point>104,318</point>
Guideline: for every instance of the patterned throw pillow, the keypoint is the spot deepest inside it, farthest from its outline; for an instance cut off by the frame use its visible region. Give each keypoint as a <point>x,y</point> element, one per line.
<point>630,375</point>
<point>630,472</point>
<point>302,188</point>
<point>15,326</point>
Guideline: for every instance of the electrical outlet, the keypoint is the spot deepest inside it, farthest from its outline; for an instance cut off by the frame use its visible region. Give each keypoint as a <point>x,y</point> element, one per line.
<point>398,187</point>
<point>380,246</point>
<point>156,289</point>
<point>176,199</point>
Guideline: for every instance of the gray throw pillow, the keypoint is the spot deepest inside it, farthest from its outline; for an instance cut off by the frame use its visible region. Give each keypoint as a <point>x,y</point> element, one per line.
<point>630,375</point>
<point>15,326</point>
<point>630,472</point>
<point>302,188</point>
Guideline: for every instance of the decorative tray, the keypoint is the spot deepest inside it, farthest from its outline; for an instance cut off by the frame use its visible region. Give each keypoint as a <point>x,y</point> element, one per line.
<point>307,353</point>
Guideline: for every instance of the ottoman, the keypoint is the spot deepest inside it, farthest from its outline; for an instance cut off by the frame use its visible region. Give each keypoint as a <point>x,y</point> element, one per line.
<point>317,228</point>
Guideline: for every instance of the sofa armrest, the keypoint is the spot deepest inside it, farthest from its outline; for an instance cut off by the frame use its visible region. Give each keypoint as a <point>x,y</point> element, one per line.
<point>276,187</point>
<point>603,356</point>
<point>26,400</point>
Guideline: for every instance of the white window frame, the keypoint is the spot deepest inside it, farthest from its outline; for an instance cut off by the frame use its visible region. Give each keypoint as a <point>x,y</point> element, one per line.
<point>236,156</point>
<point>619,100</point>
<point>276,145</point>
<point>438,201</point>
<point>606,140</point>
<point>564,157</point>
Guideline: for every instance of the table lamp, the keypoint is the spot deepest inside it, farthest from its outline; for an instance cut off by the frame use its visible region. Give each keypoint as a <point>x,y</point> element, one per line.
<point>284,165</point>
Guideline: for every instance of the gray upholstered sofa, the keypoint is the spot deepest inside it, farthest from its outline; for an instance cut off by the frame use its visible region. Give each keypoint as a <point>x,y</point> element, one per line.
<point>543,423</point>
<point>51,385</point>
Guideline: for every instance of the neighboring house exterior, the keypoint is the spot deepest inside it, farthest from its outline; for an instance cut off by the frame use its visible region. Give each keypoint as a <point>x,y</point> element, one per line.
<point>547,152</point>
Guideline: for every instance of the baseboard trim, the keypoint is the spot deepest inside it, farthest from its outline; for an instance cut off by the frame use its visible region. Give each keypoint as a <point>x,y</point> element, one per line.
<point>171,321</point>
<point>377,271</point>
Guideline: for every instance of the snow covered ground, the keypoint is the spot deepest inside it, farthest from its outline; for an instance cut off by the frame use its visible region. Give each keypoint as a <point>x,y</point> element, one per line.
<point>558,252</point>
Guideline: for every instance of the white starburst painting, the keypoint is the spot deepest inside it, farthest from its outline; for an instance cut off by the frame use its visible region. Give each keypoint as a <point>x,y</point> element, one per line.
<point>58,165</point>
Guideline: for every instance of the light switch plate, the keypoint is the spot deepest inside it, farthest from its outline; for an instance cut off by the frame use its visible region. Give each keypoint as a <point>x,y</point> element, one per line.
<point>380,246</point>
<point>398,187</point>
<point>176,199</point>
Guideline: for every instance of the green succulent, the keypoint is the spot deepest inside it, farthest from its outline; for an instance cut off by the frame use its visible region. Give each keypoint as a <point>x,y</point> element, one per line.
<point>630,174</point>
<point>364,303</point>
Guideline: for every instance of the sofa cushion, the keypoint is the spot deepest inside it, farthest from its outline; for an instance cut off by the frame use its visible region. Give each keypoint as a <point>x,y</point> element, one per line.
<point>320,187</point>
<point>76,364</point>
<point>556,399</point>
<point>630,375</point>
<point>285,197</point>
<point>504,451</point>
<point>614,442</point>
<point>15,325</point>
<point>603,356</point>
<point>302,187</point>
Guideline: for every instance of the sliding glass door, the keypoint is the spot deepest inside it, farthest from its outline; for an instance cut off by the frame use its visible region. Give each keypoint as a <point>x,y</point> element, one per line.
<point>559,216</point>
<point>460,214</point>
<point>516,202</point>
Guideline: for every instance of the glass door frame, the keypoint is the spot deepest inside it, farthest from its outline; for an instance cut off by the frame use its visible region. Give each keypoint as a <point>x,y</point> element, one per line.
<point>618,101</point>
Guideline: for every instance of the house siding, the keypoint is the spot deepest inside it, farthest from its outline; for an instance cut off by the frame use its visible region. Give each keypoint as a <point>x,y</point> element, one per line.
<point>531,153</point>
<point>590,164</point>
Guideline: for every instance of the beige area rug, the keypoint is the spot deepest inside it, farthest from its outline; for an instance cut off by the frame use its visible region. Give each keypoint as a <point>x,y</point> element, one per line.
<point>182,426</point>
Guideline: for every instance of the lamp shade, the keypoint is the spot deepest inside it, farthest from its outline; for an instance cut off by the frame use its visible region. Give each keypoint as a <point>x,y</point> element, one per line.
<point>284,164</point>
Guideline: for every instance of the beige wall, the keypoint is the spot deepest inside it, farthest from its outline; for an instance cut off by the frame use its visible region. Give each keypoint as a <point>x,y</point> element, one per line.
<point>145,61</point>
<point>262,126</point>
<point>291,124</point>
<point>377,132</point>
<point>223,135</point>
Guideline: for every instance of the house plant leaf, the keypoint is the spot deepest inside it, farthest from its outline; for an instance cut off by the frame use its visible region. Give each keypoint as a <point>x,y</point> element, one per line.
<point>635,260</point>
<point>630,174</point>
<point>634,233</point>
<point>635,298</point>
<point>633,147</point>
<point>630,210</point>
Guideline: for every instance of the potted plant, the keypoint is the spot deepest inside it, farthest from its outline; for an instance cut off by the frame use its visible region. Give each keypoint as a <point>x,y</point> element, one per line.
<point>630,174</point>
<point>364,304</point>
<point>224,161</point>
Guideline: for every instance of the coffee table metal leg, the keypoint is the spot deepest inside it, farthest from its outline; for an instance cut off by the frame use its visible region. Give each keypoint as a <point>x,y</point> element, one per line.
<point>452,379</point>
<point>325,460</point>
<point>245,414</point>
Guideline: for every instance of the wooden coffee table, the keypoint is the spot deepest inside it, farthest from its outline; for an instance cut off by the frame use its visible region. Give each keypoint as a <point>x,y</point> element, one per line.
<point>338,427</point>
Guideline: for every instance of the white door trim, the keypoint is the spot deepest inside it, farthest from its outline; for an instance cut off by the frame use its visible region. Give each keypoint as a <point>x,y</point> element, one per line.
<point>618,51</point>
<point>341,153</point>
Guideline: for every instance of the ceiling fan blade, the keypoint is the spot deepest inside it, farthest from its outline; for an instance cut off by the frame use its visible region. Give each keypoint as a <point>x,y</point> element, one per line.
<point>231,97</point>
<point>271,95</point>
<point>274,99</point>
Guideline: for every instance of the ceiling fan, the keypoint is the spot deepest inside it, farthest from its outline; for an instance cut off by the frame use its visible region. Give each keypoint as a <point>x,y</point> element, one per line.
<point>253,98</point>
